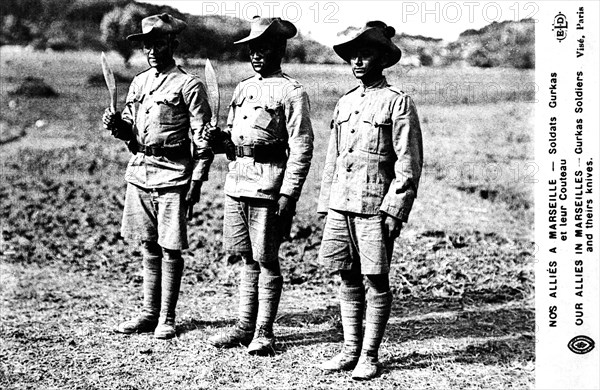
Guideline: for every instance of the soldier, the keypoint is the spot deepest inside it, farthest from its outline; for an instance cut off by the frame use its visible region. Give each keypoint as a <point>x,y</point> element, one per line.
<point>270,126</point>
<point>372,170</point>
<point>165,173</point>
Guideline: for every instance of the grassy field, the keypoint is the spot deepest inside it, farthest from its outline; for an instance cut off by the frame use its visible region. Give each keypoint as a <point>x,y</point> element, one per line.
<point>462,274</point>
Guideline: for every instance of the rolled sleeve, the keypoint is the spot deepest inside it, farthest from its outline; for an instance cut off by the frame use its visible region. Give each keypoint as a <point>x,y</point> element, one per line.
<point>195,97</point>
<point>408,145</point>
<point>300,141</point>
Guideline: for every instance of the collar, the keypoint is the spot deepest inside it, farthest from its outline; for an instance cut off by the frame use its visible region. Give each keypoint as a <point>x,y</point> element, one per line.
<point>166,70</point>
<point>275,73</point>
<point>377,84</point>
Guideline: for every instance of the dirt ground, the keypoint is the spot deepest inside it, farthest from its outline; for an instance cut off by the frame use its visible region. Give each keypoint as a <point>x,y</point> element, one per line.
<point>462,274</point>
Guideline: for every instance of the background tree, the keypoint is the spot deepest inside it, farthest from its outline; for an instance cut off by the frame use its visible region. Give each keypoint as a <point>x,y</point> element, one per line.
<point>117,24</point>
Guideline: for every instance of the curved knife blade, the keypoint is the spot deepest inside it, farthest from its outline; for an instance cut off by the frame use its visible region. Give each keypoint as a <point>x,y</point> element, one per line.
<point>212,88</point>
<point>109,77</point>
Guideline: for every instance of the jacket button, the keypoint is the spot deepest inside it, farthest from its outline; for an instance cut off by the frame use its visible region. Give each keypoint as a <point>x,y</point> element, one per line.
<point>350,150</point>
<point>349,169</point>
<point>356,112</point>
<point>362,95</point>
<point>352,130</point>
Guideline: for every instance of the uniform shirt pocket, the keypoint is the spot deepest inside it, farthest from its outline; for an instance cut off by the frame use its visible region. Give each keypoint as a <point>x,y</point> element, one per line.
<point>343,128</point>
<point>376,135</point>
<point>134,99</point>
<point>132,104</point>
<point>168,108</point>
<point>268,116</point>
<point>267,121</point>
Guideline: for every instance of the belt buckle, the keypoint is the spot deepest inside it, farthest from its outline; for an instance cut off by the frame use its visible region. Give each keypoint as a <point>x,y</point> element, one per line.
<point>151,150</point>
<point>244,150</point>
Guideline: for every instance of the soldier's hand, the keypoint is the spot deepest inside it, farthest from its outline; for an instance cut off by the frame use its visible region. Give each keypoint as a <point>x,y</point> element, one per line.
<point>229,148</point>
<point>193,196</point>
<point>110,119</point>
<point>286,210</point>
<point>393,226</point>
<point>210,133</point>
<point>286,205</point>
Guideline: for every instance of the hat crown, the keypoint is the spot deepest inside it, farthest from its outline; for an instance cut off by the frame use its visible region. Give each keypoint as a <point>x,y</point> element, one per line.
<point>374,33</point>
<point>271,27</point>
<point>388,31</point>
<point>159,24</point>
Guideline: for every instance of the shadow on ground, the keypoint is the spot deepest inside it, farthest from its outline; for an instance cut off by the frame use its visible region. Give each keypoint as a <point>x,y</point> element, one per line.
<point>194,325</point>
<point>471,330</point>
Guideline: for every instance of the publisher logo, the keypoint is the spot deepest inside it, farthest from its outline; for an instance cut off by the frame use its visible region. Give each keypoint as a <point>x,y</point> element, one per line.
<point>581,344</point>
<point>559,26</point>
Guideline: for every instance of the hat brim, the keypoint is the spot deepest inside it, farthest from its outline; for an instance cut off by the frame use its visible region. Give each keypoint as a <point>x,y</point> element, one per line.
<point>369,38</point>
<point>143,36</point>
<point>286,31</point>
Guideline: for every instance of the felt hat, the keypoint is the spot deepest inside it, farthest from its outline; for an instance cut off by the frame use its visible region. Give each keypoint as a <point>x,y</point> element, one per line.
<point>375,33</point>
<point>158,25</point>
<point>269,27</point>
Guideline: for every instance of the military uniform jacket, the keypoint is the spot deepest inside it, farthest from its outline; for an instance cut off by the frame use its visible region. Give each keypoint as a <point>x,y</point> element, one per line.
<point>375,153</point>
<point>163,108</point>
<point>265,110</point>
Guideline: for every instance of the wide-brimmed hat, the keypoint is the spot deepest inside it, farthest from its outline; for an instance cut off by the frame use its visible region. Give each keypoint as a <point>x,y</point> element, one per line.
<point>269,27</point>
<point>158,25</point>
<point>375,33</point>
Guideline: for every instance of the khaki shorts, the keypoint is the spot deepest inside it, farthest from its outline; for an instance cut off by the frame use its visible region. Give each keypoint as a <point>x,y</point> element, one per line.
<point>156,215</point>
<point>355,240</point>
<point>251,228</point>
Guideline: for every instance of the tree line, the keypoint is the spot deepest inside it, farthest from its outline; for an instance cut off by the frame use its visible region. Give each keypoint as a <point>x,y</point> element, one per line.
<point>104,24</point>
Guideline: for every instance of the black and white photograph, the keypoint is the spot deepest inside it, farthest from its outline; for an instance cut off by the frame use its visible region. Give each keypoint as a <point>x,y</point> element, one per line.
<point>299,194</point>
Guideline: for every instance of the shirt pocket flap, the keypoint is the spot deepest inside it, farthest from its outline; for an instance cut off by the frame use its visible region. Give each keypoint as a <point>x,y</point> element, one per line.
<point>377,120</point>
<point>343,117</point>
<point>263,117</point>
<point>134,98</point>
<point>169,99</point>
<point>238,102</point>
<point>273,107</point>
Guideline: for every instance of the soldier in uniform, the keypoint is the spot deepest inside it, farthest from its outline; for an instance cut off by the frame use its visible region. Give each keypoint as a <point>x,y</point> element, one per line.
<point>165,174</point>
<point>270,126</point>
<point>371,176</point>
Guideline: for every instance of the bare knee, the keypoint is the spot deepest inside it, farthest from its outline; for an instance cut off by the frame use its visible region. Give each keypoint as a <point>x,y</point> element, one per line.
<point>271,268</point>
<point>151,249</point>
<point>173,255</point>
<point>378,283</point>
<point>352,277</point>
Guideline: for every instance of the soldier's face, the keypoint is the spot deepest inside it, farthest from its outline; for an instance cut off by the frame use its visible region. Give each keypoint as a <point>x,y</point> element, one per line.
<point>265,57</point>
<point>159,51</point>
<point>365,61</point>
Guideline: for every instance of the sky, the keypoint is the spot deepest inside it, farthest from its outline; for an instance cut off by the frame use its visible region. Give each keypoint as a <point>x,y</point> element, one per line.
<point>323,20</point>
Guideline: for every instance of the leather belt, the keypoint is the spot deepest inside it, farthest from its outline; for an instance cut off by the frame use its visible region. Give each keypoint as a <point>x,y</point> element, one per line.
<point>244,150</point>
<point>164,150</point>
<point>263,153</point>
